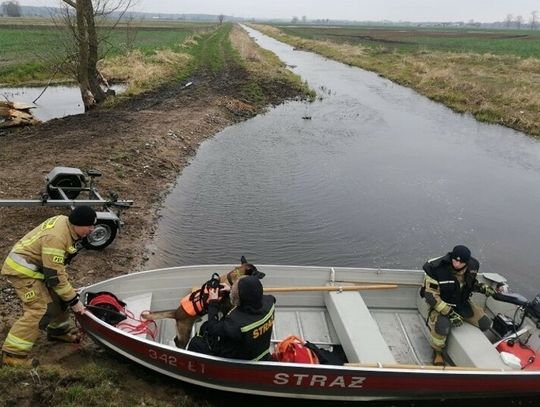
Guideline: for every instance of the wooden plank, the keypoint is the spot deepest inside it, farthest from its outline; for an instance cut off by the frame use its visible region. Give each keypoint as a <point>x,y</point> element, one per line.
<point>330,288</point>
<point>16,114</point>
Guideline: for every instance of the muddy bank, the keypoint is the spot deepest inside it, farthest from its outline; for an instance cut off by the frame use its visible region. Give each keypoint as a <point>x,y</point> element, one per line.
<point>140,146</point>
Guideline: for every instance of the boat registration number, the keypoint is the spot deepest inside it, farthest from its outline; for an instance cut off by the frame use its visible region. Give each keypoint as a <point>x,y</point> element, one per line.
<point>172,360</point>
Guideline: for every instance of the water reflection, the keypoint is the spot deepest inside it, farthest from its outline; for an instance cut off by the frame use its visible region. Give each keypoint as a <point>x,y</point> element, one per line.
<point>379,177</point>
<point>56,101</point>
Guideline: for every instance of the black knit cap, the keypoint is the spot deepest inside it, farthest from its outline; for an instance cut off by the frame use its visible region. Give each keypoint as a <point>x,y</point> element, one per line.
<point>250,292</point>
<point>461,253</point>
<point>83,216</point>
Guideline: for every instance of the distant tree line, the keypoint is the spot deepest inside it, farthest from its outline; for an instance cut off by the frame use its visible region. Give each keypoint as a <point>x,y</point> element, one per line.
<point>11,8</point>
<point>519,22</point>
<point>510,22</point>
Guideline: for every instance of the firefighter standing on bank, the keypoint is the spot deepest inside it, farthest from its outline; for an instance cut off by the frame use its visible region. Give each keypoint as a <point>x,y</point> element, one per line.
<point>35,267</point>
<point>449,282</point>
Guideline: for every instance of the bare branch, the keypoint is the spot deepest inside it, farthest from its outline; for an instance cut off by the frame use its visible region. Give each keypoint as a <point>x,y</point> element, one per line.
<point>71,3</point>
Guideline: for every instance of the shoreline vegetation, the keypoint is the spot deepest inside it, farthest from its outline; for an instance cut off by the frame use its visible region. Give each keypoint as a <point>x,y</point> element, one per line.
<point>142,140</point>
<point>141,143</point>
<point>499,88</point>
<point>34,48</point>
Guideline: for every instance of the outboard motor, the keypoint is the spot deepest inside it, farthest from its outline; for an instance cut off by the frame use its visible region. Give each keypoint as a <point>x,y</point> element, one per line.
<point>512,298</point>
<point>534,307</point>
<point>512,346</point>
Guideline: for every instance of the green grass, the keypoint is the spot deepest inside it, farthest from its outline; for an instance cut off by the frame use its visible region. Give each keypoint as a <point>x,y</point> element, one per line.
<point>96,383</point>
<point>19,44</point>
<point>28,53</point>
<point>214,52</point>
<point>523,43</point>
<point>147,41</point>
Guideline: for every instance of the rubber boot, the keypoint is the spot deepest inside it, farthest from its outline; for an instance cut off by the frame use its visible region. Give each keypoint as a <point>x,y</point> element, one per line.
<point>9,359</point>
<point>72,335</point>
<point>438,358</point>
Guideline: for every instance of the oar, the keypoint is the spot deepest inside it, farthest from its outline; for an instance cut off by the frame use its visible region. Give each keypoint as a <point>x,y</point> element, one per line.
<point>318,288</point>
<point>386,282</point>
<point>357,287</point>
<point>329,288</point>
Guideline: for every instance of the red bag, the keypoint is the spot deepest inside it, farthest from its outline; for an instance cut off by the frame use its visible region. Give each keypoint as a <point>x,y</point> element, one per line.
<point>293,350</point>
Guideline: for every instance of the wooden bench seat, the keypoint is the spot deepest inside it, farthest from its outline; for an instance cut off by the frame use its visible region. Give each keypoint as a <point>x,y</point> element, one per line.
<point>356,329</point>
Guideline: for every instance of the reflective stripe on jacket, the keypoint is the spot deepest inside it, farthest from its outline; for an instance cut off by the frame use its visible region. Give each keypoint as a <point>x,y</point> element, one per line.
<point>440,282</point>
<point>41,253</point>
<point>239,334</point>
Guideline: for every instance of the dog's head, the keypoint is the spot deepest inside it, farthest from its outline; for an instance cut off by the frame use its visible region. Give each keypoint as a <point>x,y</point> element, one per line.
<point>250,270</point>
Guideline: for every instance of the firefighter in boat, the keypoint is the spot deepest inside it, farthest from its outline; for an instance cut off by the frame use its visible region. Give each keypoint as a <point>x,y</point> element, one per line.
<point>245,331</point>
<point>36,269</point>
<point>449,282</point>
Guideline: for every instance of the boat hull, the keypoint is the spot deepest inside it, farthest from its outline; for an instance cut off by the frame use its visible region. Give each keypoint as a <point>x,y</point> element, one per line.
<point>304,381</point>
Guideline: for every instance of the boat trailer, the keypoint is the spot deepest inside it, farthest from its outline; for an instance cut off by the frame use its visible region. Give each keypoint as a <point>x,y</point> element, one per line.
<point>64,185</point>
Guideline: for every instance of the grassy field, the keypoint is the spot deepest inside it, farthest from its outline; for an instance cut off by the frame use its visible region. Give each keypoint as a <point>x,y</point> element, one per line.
<point>493,82</point>
<point>30,48</point>
<point>216,52</point>
<point>523,43</point>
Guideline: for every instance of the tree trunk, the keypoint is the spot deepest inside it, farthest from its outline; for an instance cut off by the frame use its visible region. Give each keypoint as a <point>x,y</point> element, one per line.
<point>94,77</point>
<point>88,76</point>
<point>82,71</point>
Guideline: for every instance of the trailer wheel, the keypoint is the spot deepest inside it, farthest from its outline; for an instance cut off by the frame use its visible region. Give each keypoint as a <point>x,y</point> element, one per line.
<point>102,236</point>
<point>65,181</point>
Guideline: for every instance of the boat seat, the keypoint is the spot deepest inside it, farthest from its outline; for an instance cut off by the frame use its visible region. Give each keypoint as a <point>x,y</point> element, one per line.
<point>467,346</point>
<point>136,305</point>
<point>356,329</point>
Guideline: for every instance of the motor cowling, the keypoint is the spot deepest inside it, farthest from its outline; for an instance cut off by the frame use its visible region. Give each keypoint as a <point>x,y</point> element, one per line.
<point>534,307</point>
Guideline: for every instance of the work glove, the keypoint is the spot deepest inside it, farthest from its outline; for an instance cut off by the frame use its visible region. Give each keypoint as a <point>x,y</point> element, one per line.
<point>455,319</point>
<point>78,308</point>
<point>487,290</point>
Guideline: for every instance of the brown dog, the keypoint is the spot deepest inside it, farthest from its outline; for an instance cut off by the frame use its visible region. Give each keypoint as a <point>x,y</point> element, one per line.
<point>193,305</point>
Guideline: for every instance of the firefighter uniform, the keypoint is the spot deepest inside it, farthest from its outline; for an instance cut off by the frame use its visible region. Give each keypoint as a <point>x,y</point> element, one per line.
<point>447,291</point>
<point>246,331</point>
<point>36,269</point>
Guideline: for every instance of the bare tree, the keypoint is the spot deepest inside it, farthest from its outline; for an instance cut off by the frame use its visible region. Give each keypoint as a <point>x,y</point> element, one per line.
<point>534,19</point>
<point>220,18</point>
<point>304,19</point>
<point>82,26</point>
<point>131,33</point>
<point>294,20</point>
<point>11,8</point>
<point>519,21</point>
<point>509,20</point>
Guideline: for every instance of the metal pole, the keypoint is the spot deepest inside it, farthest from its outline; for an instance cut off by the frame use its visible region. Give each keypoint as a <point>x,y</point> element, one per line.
<point>59,202</point>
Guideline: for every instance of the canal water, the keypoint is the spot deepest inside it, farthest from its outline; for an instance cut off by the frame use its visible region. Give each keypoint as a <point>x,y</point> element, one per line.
<point>56,101</point>
<point>370,175</point>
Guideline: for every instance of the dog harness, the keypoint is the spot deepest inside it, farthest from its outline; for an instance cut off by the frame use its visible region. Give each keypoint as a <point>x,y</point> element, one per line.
<point>196,303</point>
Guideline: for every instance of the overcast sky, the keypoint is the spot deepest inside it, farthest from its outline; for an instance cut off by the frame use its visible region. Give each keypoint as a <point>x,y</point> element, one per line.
<point>361,10</point>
